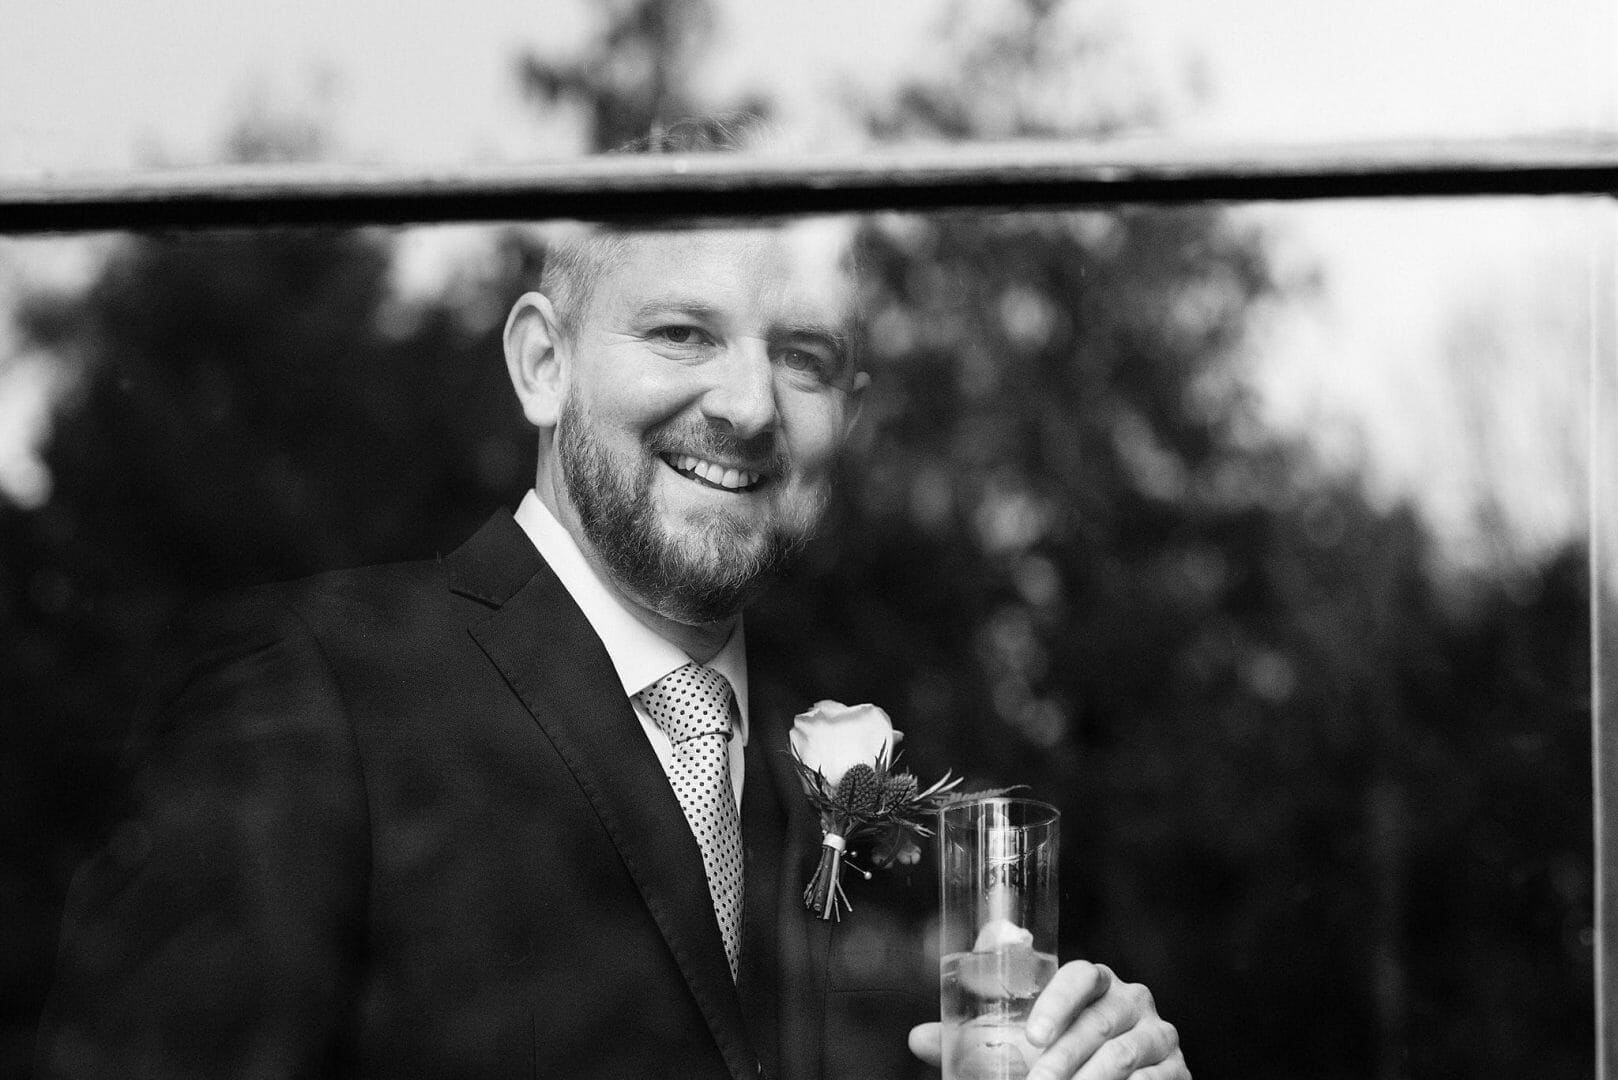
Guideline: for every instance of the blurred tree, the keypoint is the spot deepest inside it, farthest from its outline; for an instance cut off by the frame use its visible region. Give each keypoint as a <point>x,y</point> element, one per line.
<point>1073,558</point>
<point>635,77</point>
<point>254,406</point>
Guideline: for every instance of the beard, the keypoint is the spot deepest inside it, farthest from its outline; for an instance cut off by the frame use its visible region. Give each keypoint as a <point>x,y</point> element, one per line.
<point>709,571</point>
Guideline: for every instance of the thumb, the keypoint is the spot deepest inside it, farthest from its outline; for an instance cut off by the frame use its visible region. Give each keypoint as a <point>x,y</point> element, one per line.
<point>927,1043</point>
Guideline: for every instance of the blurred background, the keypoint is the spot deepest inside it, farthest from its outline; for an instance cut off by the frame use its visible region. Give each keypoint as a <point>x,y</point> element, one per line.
<point>1257,538</point>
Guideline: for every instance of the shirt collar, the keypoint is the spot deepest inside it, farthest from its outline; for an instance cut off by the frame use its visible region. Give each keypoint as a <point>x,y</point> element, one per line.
<point>639,654</point>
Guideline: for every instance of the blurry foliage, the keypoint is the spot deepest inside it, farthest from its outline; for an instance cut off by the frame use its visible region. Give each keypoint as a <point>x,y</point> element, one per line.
<point>1308,800</point>
<point>635,77</point>
<point>1338,823</point>
<point>1028,68</point>
<point>255,406</point>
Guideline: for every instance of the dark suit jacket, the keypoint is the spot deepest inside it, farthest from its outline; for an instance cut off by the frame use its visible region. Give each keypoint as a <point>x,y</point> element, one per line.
<point>401,822</point>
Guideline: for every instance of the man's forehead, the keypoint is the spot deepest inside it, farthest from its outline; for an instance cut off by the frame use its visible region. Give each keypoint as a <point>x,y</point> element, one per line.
<point>798,265</point>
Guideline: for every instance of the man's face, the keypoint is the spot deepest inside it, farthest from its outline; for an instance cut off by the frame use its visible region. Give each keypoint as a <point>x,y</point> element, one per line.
<point>707,389</point>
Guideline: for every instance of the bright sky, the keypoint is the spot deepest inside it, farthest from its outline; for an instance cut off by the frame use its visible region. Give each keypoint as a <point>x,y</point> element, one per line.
<point>112,84</point>
<point>92,84</point>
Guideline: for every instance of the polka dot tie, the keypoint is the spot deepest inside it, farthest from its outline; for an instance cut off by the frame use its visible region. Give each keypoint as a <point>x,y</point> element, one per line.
<point>692,707</point>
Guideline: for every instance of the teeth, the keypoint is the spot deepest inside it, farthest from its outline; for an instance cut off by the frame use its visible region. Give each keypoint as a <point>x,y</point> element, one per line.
<point>718,475</point>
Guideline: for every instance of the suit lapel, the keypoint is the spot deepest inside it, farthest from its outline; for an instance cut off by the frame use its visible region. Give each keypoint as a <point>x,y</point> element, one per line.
<point>763,834</point>
<point>550,656</point>
<point>802,942</point>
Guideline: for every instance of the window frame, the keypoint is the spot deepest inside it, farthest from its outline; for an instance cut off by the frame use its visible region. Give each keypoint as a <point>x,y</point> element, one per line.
<point>631,189</point>
<point>648,189</point>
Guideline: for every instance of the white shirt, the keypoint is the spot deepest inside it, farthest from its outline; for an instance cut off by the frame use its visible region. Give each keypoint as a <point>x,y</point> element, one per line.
<point>640,654</point>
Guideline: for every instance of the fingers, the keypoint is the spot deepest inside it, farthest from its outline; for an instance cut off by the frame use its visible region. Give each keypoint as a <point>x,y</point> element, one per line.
<point>1150,1049</point>
<point>927,1043</point>
<point>1117,1034</point>
<point>1093,1026</point>
<point>1174,1068</point>
<point>1074,986</point>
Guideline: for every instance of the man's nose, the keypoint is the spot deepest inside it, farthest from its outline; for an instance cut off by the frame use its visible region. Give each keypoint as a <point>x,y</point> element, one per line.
<point>743,392</point>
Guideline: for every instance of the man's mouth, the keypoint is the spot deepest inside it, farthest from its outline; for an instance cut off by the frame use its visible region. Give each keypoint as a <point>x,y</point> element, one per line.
<point>712,474</point>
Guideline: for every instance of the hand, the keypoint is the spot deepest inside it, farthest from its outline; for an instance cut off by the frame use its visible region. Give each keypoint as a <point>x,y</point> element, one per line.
<point>1091,1026</point>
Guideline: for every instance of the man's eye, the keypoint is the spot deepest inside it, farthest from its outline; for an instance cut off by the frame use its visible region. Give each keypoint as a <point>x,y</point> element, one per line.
<point>678,335</point>
<point>803,360</point>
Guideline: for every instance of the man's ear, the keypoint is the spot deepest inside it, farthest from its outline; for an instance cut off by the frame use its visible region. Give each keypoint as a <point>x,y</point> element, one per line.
<point>532,339</point>
<point>856,401</point>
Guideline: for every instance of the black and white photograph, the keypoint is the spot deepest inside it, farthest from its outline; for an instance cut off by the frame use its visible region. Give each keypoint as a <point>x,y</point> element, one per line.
<point>734,539</point>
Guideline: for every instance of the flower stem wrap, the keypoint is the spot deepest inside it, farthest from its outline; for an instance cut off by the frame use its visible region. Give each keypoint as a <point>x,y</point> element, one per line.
<point>826,887</point>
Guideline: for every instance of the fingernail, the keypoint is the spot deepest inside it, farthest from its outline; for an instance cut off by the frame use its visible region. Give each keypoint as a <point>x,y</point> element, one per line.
<point>1039,1031</point>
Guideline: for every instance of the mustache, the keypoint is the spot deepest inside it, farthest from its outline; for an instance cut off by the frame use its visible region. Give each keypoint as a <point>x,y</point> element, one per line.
<point>761,453</point>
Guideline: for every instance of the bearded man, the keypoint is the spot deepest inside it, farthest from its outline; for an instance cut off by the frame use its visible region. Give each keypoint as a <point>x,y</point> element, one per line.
<point>515,812</point>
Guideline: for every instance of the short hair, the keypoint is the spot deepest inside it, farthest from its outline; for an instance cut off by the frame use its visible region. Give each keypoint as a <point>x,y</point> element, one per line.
<point>572,269</point>
<point>574,264</point>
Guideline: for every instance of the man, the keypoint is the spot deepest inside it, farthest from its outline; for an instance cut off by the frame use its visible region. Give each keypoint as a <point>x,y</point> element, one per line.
<point>451,819</point>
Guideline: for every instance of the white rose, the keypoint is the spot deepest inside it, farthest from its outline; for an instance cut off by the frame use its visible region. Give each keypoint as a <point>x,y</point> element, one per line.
<point>834,737</point>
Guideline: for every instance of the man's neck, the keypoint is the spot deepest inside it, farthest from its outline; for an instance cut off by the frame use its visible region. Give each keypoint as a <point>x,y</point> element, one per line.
<point>701,643</point>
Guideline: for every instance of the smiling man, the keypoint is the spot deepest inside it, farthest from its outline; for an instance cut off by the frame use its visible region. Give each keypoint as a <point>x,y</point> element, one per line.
<point>692,390</point>
<point>513,812</point>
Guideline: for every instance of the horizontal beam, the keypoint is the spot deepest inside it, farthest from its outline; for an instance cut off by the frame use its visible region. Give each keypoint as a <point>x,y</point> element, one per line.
<point>630,189</point>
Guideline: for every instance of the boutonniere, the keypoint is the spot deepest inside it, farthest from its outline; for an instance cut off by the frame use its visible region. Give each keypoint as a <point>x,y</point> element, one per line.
<point>845,760</point>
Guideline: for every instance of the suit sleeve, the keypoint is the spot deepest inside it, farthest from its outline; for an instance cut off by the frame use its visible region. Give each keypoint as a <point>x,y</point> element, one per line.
<point>218,932</point>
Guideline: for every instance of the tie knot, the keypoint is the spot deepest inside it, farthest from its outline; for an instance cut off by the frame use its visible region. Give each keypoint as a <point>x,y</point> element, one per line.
<point>688,702</point>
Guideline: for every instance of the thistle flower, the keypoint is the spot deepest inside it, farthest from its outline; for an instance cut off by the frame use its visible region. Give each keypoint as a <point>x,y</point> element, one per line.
<point>897,789</point>
<point>860,791</point>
